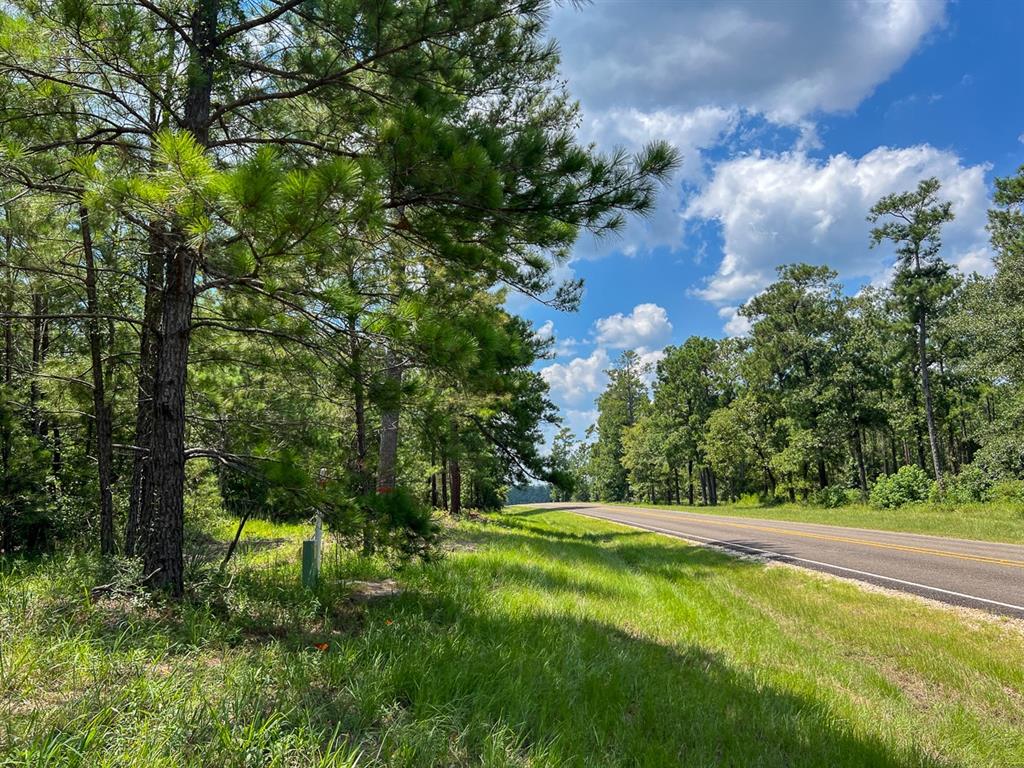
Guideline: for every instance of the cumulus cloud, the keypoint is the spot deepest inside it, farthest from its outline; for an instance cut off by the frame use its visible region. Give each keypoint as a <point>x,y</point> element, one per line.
<point>646,326</point>
<point>579,420</point>
<point>690,133</point>
<point>735,324</point>
<point>779,209</point>
<point>577,380</point>
<point>785,60</point>
<point>545,331</point>
<point>707,68</point>
<point>575,384</point>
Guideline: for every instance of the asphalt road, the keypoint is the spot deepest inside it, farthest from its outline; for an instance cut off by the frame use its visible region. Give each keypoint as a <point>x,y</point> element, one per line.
<point>975,574</point>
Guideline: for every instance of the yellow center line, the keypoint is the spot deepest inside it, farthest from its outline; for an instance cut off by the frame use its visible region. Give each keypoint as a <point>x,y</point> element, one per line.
<point>826,537</point>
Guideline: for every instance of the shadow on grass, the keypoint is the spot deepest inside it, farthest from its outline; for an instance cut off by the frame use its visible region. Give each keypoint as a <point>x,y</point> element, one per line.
<point>438,671</point>
<point>582,692</point>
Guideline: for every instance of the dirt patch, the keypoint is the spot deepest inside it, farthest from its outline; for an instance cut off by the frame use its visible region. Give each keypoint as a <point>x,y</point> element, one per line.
<point>370,591</point>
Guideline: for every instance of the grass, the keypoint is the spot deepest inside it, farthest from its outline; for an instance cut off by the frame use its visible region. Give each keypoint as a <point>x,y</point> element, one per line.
<point>542,639</point>
<point>991,521</point>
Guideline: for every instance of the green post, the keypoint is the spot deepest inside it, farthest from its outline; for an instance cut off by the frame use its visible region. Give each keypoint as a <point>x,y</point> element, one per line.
<point>309,574</point>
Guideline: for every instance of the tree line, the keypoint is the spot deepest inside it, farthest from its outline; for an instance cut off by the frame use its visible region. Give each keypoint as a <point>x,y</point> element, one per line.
<point>255,255</point>
<point>828,394</point>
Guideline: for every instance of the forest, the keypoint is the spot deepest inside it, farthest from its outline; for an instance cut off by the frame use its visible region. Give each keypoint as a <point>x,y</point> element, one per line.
<point>276,288</point>
<point>255,259</point>
<point>908,391</point>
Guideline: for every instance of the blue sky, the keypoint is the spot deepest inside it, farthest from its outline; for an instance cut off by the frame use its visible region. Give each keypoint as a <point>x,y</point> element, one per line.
<point>792,119</point>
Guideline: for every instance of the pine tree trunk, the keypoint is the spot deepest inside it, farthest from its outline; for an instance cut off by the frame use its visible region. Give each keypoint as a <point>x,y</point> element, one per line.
<point>364,479</point>
<point>456,472</point>
<point>926,388</point>
<point>689,472</point>
<point>164,534</point>
<point>675,477</point>
<point>444,482</point>
<point>163,537</point>
<point>954,451</point>
<point>6,435</point>
<point>101,410</point>
<point>387,464</point>
<point>862,472</point>
<point>56,454</point>
<point>145,394</point>
<point>38,326</point>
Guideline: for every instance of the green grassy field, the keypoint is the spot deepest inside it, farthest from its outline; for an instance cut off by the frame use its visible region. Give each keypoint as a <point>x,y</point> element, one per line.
<point>991,521</point>
<point>541,639</point>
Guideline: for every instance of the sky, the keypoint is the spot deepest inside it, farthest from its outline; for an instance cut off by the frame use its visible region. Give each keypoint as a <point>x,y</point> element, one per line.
<point>792,119</point>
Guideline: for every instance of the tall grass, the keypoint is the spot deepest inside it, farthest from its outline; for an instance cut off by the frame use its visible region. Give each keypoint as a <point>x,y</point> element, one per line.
<point>541,640</point>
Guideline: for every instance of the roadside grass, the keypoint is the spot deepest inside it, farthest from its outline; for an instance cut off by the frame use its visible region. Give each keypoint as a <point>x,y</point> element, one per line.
<point>541,639</point>
<point>989,521</point>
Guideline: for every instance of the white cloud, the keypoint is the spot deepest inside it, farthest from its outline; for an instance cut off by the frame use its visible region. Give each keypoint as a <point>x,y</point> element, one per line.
<point>545,331</point>
<point>579,420</point>
<point>578,379</point>
<point>735,324</point>
<point>690,133</point>
<point>649,359</point>
<point>565,347</point>
<point>705,68</point>
<point>646,325</point>
<point>779,209</point>
<point>785,60</point>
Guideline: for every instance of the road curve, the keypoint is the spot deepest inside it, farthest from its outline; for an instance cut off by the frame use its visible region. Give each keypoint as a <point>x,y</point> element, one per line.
<point>975,574</point>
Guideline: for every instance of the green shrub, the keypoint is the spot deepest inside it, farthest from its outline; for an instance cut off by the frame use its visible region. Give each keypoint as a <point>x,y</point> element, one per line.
<point>1009,490</point>
<point>909,484</point>
<point>970,486</point>
<point>831,497</point>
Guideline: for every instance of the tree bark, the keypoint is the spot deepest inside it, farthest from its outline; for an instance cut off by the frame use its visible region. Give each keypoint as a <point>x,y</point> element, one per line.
<point>363,478</point>
<point>164,537</point>
<point>456,472</point>
<point>387,464</point>
<point>444,482</point>
<point>38,333</point>
<point>145,397</point>
<point>689,471</point>
<point>101,410</point>
<point>926,388</point>
<point>6,435</point>
<point>862,473</point>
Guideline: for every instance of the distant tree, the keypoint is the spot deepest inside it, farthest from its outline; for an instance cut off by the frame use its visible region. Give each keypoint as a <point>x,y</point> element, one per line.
<point>688,387</point>
<point>793,356</point>
<point>618,407</point>
<point>913,223</point>
<point>563,481</point>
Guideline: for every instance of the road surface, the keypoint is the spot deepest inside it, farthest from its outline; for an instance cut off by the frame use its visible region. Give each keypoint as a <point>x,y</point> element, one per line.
<point>975,574</point>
